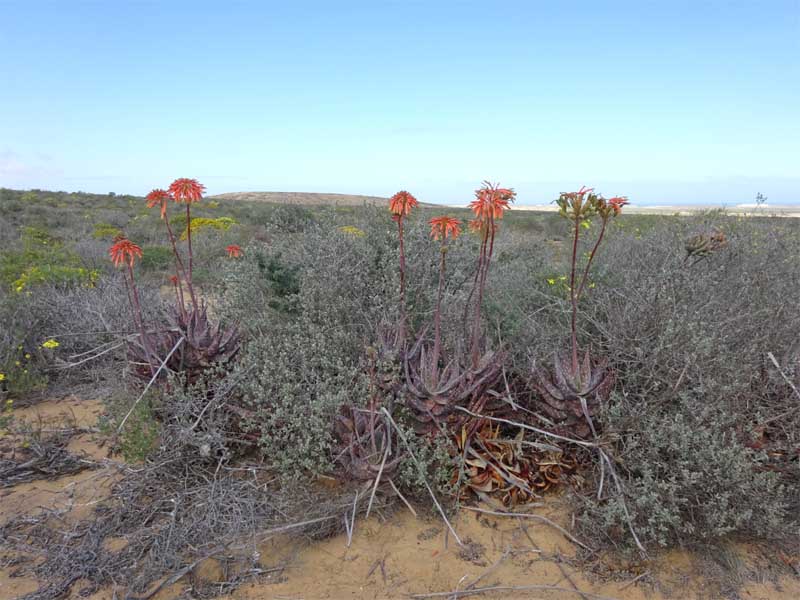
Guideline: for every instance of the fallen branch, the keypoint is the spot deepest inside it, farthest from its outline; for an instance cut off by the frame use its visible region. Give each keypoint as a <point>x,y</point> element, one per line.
<point>784,414</point>
<point>149,383</point>
<point>528,427</point>
<point>564,532</point>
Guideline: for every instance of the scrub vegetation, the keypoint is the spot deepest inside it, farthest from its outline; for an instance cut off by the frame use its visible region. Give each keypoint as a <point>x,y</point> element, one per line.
<point>645,367</point>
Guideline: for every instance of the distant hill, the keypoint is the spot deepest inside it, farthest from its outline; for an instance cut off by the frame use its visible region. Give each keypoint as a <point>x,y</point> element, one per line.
<point>304,198</point>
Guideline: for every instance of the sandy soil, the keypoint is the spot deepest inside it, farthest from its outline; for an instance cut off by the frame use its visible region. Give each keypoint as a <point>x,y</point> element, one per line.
<point>400,557</point>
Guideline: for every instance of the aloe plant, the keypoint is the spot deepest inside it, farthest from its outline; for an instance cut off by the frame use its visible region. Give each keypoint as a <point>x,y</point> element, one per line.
<point>573,391</point>
<point>434,390</point>
<point>191,344</point>
<point>367,445</point>
<point>570,398</point>
<point>702,244</point>
<point>435,386</point>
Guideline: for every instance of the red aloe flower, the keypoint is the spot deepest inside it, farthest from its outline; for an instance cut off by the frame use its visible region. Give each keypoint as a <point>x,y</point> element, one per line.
<point>491,200</point>
<point>123,251</point>
<point>158,197</point>
<point>186,190</point>
<point>481,226</point>
<point>234,251</point>
<point>174,279</point>
<point>616,203</point>
<point>444,227</point>
<point>401,203</point>
<point>581,192</point>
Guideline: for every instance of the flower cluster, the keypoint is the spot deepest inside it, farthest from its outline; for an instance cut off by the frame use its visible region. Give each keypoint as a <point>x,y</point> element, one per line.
<point>444,227</point>
<point>124,251</point>
<point>574,391</point>
<point>585,203</point>
<point>186,190</point>
<point>401,203</point>
<point>202,341</point>
<point>159,198</point>
<point>490,202</point>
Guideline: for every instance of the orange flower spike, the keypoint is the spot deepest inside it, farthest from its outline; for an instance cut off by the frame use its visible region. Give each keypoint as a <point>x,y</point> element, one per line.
<point>491,200</point>
<point>123,251</point>
<point>475,225</point>
<point>186,190</point>
<point>401,203</point>
<point>444,227</point>
<point>616,203</point>
<point>158,197</point>
<point>234,251</point>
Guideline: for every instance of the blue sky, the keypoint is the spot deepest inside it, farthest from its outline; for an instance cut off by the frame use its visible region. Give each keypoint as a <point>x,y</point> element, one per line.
<point>667,102</point>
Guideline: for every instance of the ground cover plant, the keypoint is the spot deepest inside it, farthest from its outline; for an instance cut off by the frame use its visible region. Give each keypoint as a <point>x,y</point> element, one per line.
<point>645,366</point>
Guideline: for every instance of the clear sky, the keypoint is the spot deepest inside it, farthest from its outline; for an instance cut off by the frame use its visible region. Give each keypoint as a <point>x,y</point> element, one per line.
<point>667,102</point>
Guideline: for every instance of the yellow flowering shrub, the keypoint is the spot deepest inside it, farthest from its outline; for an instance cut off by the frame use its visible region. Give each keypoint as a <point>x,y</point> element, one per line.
<point>105,231</point>
<point>55,274</point>
<point>200,223</point>
<point>352,230</point>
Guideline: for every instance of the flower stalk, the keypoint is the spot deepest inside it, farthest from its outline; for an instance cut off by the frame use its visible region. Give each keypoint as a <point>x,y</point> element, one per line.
<point>126,252</point>
<point>491,201</point>
<point>579,208</point>
<point>400,206</point>
<point>441,229</point>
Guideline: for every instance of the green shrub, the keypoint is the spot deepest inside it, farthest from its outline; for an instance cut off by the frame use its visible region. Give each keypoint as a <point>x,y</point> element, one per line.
<point>6,411</point>
<point>140,435</point>
<point>81,319</point>
<point>289,218</point>
<point>55,274</point>
<point>689,481</point>
<point>43,259</point>
<point>297,378</point>
<point>156,258</point>
<point>105,231</point>
<point>435,464</point>
<point>20,373</point>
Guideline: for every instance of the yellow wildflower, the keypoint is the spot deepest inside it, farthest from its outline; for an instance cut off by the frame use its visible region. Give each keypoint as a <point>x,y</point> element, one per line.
<point>50,344</point>
<point>352,230</point>
<point>2,376</point>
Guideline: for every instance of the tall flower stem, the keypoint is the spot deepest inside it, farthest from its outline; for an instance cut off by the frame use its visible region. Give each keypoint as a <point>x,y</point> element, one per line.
<point>189,281</point>
<point>179,268</point>
<point>402,280</point>
<point>484,261</point>
<point>585,276</point>
<point>400,205</point>
<point>437,315</point>
<point>574,294</point>
<point>139,319</point>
